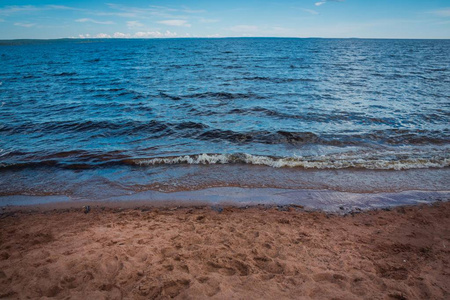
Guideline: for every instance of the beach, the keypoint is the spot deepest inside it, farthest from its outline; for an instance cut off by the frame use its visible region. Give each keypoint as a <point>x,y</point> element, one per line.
<point>224,252</point>
<point>231,168</point>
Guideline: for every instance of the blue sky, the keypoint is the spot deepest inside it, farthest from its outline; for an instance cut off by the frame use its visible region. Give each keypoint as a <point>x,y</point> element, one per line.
<point>177,18</point>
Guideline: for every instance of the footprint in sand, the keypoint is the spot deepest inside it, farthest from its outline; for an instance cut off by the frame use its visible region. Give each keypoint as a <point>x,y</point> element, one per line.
<point>268,265</point>
<point>229,267</point>
<point>338,279</point>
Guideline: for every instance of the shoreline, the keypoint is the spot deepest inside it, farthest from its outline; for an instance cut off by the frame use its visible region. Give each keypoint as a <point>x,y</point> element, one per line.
<point>101,183</point>
<point>328,201</point>
<point>224,252</point>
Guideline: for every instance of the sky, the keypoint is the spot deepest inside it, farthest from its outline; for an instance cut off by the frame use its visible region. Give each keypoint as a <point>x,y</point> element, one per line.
<point>43,19</point>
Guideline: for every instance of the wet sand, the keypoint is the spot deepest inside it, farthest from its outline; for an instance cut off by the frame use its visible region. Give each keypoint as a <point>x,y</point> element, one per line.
<point>225,253</point>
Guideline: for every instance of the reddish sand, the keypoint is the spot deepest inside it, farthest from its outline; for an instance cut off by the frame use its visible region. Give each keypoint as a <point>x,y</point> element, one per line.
<point>253,253</point>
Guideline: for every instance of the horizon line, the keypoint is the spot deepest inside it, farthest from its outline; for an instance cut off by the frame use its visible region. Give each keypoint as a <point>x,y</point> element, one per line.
<point>224,37</point>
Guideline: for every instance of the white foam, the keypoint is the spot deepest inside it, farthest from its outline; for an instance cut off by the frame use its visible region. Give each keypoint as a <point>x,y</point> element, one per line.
<point>341,161</point>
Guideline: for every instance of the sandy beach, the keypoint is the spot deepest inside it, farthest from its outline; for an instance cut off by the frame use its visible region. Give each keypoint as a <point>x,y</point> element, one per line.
<point>225,253</point>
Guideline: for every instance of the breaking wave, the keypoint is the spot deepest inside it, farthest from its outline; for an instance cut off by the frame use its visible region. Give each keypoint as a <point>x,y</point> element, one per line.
<point>371,160</point>
<point>341,161</point>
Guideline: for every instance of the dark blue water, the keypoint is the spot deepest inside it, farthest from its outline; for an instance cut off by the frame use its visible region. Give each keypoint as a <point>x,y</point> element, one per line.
<point>132,115</point>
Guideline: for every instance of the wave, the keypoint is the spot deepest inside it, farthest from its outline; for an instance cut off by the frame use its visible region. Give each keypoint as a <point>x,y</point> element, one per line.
<point>164,95</point>
<point>342,161</point>
<point>374,160</point>
<point>389,137</point>
<point>203,132</point>
<point>262,137</point>
<point>65,74</point>
<point>214,95</point>
<point>126,126</point>
<point>278,80</point>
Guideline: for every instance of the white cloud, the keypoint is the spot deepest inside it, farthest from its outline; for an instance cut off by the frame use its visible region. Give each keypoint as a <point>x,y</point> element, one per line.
<point>139,34</point>
<point>170,34</point>
<point>244,28</point>
<point>24,24</point>
<point>134,24</point>
<point>121,35</point>
<point>2,20</point>
<point>102,36</point>
<point>444,12</point>
<point>96,36</point>
<point>155,34</point>
<point>325,1</point>
<point>84,20</point>
<point>147,34</point>
<point>180,23</point>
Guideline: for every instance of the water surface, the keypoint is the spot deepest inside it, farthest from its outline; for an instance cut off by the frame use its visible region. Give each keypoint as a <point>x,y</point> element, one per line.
<point>97,118</point>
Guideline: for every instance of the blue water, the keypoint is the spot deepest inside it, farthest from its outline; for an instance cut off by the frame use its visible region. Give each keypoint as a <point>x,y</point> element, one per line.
<point>133,115</point>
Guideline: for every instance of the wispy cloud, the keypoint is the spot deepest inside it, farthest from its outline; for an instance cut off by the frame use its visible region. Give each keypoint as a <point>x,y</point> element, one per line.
<point>325,1</point>
<point>155,34</point>
<point>192,11</point>
<point>134,24</point>
<point>8,10</point>
<point>444,12</point>
<point>310,11</point>
<point>183,9</point>
<point>87,20</point>
<point>180,23</point>
<point>153,10</point>
<point>15,9</point>
<point>24,24</point>
<point>117,10</point>
<point>128,11</point>
<point>202,20</point>
<point>443,22</point>
<point>115,14</point>
<point>137,35</point>
<point>63,7</point>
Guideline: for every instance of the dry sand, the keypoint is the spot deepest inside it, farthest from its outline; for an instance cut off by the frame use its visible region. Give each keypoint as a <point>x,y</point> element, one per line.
<point>199,252</point>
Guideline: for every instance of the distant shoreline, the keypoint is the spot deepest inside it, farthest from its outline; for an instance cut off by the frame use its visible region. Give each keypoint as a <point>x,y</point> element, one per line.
<point>226,37</point>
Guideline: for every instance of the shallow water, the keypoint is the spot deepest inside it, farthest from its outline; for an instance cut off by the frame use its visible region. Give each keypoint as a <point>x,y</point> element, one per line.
<point>93,118</point>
